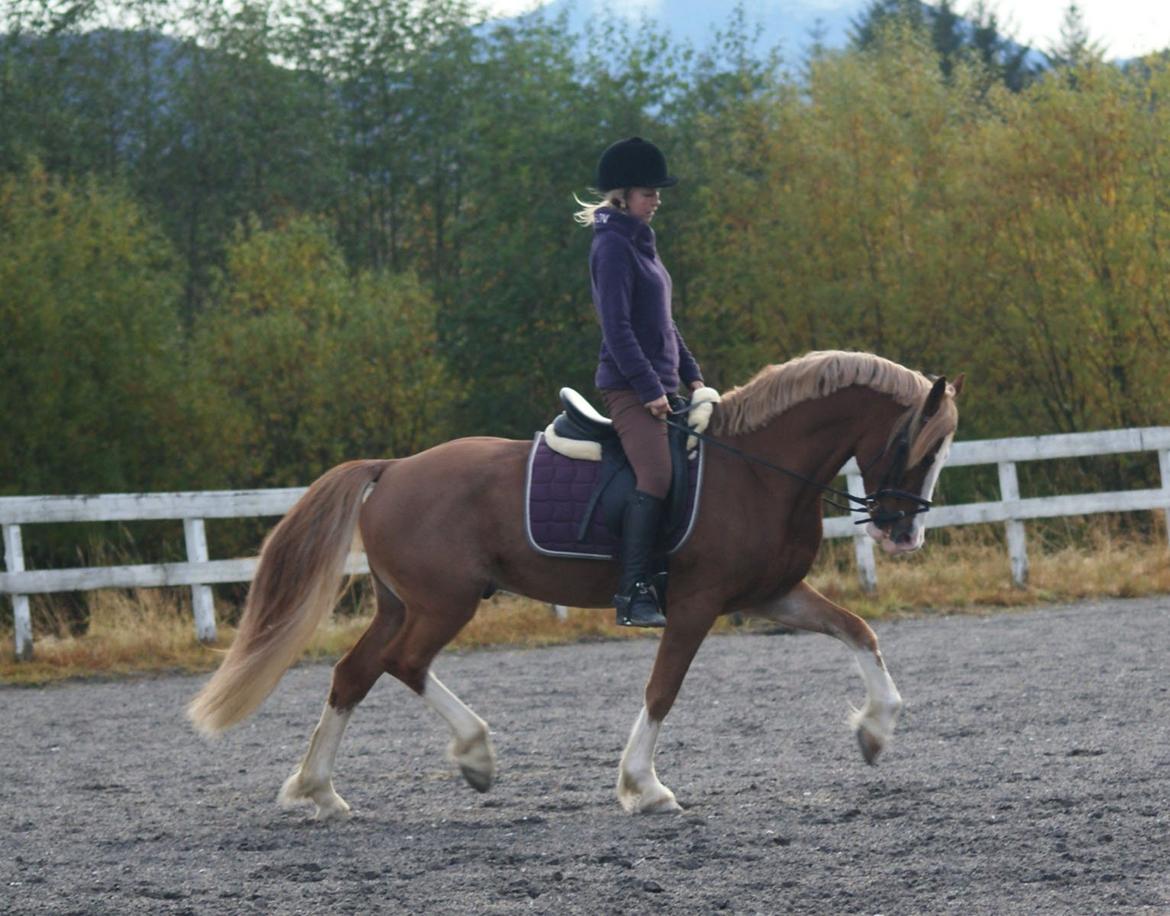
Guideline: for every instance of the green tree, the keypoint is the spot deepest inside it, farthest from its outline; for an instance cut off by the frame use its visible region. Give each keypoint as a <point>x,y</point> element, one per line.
<point>303,365</point>
<point>90,367</point>
<point>974,38</point>
<point>250,138</point>
<point>823,227</point>
<point>868,28</point>
<point>83,94</point>
<point>516,315</point>
<point>1068,257</point>
<point>1002,58</point>
<point>1075,47</point>
<point>397,108</point>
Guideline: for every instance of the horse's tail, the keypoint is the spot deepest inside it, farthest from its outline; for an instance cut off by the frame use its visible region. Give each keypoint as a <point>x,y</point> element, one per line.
<point>296,585</point>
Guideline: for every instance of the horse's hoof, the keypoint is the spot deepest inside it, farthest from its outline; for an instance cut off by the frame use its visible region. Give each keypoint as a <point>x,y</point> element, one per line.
<point>476,760</point>
<point>330,805</point>
<point>479,780</point>
<point>656,800</point>
<point>871,746</point>
<point>667,805</point>
<point>332,809</point>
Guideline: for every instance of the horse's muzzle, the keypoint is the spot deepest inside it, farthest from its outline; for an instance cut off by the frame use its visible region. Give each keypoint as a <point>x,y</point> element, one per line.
<point>904,537</point>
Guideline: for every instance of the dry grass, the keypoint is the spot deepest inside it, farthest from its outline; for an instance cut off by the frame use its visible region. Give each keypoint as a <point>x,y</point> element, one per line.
<point>151,630</point>
<point>969,570</point>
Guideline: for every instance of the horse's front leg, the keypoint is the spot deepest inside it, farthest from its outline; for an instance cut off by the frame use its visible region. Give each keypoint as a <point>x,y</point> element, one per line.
<point>638,787</point>
<point>807,609</point>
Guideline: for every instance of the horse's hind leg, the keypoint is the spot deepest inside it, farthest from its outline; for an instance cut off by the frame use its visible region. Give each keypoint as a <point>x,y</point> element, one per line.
<point>353,676</point>
<point>409,658</point>
<point>807,609</point>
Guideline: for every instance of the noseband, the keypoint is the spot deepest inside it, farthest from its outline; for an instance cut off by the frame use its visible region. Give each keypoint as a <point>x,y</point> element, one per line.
<point>868,503</point>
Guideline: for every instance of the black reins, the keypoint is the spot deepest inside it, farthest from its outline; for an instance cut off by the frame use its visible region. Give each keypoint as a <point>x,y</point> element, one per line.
<point>867,503</point>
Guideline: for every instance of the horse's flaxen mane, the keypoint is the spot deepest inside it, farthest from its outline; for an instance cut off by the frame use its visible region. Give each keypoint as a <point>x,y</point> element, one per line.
<point>775,389</point>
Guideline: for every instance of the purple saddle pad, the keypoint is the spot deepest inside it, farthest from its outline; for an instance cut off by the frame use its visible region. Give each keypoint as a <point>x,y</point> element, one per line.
<point>558,491</point>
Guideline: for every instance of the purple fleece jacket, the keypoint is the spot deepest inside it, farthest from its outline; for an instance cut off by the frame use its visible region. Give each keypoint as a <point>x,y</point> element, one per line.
<point>641,347</point>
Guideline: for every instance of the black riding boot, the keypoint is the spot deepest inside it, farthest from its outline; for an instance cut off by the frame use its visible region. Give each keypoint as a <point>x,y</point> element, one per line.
<point>635,601</point>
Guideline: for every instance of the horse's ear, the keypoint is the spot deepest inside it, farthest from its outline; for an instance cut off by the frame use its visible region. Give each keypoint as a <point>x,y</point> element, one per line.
<point>957,384</point>
<point>937,392</point>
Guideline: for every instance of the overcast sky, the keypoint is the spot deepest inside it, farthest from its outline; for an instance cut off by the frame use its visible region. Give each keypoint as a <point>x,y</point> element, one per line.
<point>1127,28</point>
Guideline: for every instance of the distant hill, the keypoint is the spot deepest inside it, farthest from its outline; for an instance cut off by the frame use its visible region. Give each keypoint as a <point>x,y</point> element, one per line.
<point>787,24</point>
<point>792,26</point>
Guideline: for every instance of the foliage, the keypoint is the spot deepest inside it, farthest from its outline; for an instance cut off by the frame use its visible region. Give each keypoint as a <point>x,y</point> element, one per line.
<point>1072,250</point>
<point>280,233</point>
<point>88,307</point>
<point>974,39</point>
<point>1075,48</point>
<point>1019,237</point>
<point>304,365</point>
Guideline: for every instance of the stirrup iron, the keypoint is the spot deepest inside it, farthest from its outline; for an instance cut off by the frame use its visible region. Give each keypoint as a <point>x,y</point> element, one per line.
<point>639,608</point>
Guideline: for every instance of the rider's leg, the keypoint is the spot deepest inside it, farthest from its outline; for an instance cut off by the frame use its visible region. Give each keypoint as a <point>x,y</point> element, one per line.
<point>645,444</point>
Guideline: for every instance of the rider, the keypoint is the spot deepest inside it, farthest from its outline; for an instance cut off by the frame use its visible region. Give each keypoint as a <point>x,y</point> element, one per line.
<point>643,356</point>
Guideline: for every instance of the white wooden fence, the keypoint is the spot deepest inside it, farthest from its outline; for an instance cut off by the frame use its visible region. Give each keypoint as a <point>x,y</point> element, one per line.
<point>200,572</point>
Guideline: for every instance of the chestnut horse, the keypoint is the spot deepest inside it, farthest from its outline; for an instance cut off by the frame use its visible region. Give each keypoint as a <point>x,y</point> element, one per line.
<point>446,526</point>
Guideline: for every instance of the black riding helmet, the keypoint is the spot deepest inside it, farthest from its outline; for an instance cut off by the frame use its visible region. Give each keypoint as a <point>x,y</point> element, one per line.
<point>633,163</point>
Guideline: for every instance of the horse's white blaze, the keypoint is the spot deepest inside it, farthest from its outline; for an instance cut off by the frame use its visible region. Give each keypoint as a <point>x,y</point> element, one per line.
<point>471,747</point>
<point>918,531</point>
<point>882,700</point>
<point>313,779</point>
<point>928,485</point>
<point>638,787</point>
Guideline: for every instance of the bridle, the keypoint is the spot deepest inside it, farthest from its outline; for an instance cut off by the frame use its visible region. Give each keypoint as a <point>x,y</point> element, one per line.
<point>897,467</point>
<point>870,503</point>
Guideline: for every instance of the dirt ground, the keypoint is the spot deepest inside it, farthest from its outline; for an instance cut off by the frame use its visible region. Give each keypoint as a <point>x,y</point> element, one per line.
<point>1030,774</point>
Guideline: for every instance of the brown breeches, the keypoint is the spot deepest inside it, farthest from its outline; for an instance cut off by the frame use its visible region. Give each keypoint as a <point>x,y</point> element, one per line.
<point>644,439</point>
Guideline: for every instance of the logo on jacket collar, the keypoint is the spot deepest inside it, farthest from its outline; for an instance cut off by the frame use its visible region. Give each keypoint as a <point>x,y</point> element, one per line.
<point>601,217</point>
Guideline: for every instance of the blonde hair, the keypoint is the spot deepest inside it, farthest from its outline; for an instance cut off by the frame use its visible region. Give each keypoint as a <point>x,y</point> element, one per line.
<point>587,215</point>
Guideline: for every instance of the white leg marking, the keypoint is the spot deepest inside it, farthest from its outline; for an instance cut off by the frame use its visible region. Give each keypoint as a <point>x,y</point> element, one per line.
<point>471,746</point>
<point>638,787</point>
<point>313,779</point>
<point>874,723</point>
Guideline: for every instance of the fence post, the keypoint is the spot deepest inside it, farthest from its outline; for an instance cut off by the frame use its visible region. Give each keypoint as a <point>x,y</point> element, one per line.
<point>1009,491</point>
<point>862,542</point>
<point>21,618</point>
<point>1164,464</point>
<point>202,601</point>
<point>560,611</point>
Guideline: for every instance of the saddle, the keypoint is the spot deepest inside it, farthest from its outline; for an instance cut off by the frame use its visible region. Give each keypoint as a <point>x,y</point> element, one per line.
<point>581,432</point>
<point>579,480</point>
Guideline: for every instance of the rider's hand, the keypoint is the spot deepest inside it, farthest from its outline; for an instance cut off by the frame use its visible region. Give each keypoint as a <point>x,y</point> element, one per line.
<point>659,407</point>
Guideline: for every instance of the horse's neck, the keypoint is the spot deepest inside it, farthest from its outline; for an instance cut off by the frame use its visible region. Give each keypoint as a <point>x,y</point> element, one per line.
<point>815,438</point>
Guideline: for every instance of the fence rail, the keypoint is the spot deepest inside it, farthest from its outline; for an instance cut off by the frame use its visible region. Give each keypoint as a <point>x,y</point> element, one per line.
<point>200,573</point>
